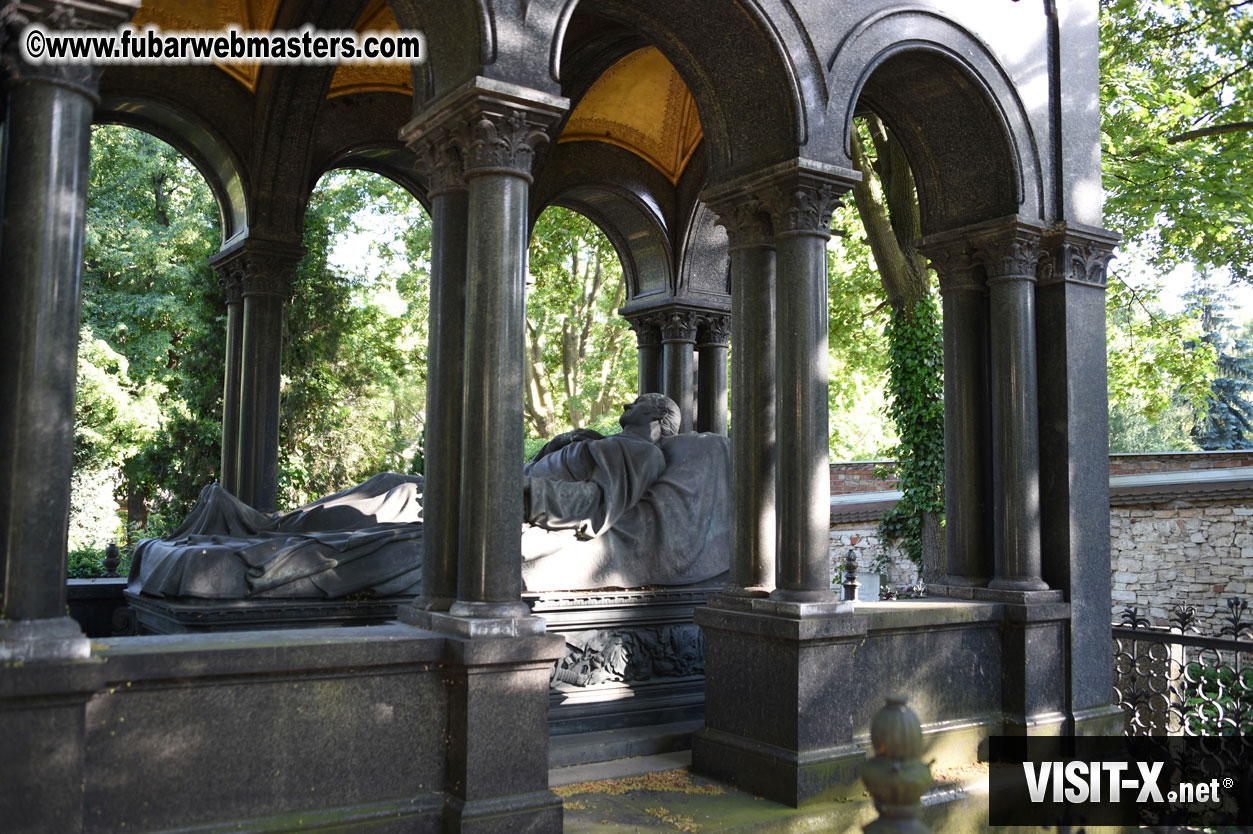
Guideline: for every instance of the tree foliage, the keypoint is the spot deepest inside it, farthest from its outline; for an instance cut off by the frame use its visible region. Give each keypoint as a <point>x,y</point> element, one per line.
<point>1177,107</point>
<point>887,202</point>
<point>580,355</point>
<point>354,354</point>
<point>1226,419</point>
<point>150,355</point>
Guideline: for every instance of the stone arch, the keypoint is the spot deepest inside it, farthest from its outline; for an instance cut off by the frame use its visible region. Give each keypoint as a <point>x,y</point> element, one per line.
<point>191,136</point>
<point>755,77</point>
<point>630,208</point>
<point>953,106</point>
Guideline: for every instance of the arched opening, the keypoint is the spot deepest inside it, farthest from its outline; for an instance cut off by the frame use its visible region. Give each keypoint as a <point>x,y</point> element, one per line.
<point>580,356</point>
<point>355,338</point>
<point>151,345</point>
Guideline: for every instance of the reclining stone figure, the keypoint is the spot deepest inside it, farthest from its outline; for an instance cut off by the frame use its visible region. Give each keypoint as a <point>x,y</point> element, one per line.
<point>645,507</point>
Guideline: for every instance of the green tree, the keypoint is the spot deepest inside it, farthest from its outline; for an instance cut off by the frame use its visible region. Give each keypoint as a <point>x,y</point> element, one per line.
<point>150,356</point>
<point>579,351</point>
<point>354,355</point>
<point>887,202</point>
<point>1177,113</point>
<point>1226,420</point>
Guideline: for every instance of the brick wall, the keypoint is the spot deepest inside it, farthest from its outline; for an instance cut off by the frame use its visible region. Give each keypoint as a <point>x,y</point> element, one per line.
<point>1173,461</point>
<point>852,477</point>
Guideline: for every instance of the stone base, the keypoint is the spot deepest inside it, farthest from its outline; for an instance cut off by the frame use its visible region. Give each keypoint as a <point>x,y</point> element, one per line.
<point>789,699</point>
<point>1106,720</point>
<point>33,641</point>
<point>167,616</point>
<point>790,777</point>
<point>461,625</point>
<point>650,633</point>
<point>983,594</point>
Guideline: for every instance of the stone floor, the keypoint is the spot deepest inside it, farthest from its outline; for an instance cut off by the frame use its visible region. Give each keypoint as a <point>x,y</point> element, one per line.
<point>658,793</point>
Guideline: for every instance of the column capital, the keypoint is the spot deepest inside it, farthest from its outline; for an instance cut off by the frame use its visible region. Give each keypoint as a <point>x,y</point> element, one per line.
<point>57,16</point>
<point>1077,255</point>
<point>258,267</point>
<point>647,328</point>
<point>747,222</point>
<point>439,157</point>
<point>798,195</point>
<point>496,127</point>
<point>714,330</point>
<point>955,264</point>
<point>679,326</point>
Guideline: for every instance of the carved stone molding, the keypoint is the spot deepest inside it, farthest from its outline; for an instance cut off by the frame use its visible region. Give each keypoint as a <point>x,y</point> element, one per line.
<point>598,656</point>
<point>502,143</point>
<point>1077,257</point>
<point>647,328</point>
<point>680,326</point>
<point>747,222</point>
<point>258,268</point>
<point>439,157</point>
<point>232,281</point>
<point>714,331</point>
<point>58,16</point>
<point>495,127</point>
<point>1010,256</point>
<point>801,208</point>
<point>956,266</point>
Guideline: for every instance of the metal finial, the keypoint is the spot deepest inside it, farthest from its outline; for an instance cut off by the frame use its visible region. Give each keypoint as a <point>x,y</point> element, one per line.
<point>850,576</point>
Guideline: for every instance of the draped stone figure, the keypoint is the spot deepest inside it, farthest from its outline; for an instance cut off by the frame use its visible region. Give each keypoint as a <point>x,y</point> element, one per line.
<point>644,507</point>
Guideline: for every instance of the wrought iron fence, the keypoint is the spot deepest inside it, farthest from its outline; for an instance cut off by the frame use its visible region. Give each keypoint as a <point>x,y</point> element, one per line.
<point>1169,680</point>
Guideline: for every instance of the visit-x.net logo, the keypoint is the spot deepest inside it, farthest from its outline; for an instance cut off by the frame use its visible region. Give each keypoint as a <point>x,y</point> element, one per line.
<point>1197,781</point>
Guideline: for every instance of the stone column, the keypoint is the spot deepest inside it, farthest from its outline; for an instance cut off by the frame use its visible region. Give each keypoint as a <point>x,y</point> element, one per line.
<point>967,421</point>
<point>678,337</point>
<point>647,329</point>
<point>232,281</point>
<point>441,500</point>
<point>712,338</point>
<point>1009,257</point>
<point>1074,476</point>
<point>800,211</point>
<point>46,142</point>
<point>266,268</point>
<point>496,128</point>
<point>754,456</point>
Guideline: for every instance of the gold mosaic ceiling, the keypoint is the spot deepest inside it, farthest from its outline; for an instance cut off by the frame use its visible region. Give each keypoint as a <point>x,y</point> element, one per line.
<point>174,15</point>
<point>639,104</point>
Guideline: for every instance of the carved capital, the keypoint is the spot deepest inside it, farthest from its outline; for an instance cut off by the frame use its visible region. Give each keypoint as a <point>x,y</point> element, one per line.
<point>647,329</point>
<point>714,330</point>
<point>258,268</point>
<point>502,142</point>
<point>801,208</point>
<point>679,326</point>
<point>58,16</point>
<point>231,279</point>
<point>1009,256</point>
<point>439,157</point>
<point>1077,257</point>
<point>954,262</point>
<point>747,222</point>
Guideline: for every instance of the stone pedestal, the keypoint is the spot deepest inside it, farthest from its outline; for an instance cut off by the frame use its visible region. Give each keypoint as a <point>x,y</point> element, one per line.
<point>1034,668</point>
<point>775,683</point>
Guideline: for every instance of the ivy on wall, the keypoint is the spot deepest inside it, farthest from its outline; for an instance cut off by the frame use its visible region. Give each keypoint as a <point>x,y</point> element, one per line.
<point>916,408</point>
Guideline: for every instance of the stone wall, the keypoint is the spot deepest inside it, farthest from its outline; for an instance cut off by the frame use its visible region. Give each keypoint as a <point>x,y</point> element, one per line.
<point>1181,533</point>
<point>1194,554</point>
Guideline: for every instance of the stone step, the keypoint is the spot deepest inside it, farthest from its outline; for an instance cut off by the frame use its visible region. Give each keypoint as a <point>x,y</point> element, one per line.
<point>624,743</point>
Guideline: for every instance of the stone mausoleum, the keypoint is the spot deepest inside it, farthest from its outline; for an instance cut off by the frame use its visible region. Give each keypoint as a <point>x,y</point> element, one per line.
<point>709,139</point>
